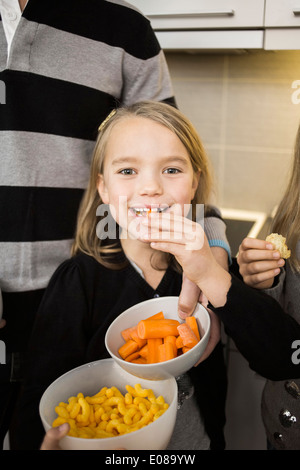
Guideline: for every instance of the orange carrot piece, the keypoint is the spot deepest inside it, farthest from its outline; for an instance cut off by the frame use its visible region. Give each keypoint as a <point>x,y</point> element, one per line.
<point>179,342</point>
<point>132,356</point>
<point>139,360</point>
<point>189,338</point>
<point>127,332</point>
<point>143,352</point>
<point>157,328</point>
<point>157,316</point>
<point>128,348</point>
<point>172,340</point>
<point>185,349</point>
<point>153,344</point>
<point>192,323</point>
<point>134,335</point>
<point>165,352</point>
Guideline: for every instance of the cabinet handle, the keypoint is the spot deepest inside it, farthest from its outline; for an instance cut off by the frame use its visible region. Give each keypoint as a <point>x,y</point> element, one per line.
<point>296,11</point>
<point>199,14</point>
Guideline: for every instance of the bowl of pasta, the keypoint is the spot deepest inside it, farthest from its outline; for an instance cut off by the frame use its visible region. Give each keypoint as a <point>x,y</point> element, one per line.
<point>107,408</point>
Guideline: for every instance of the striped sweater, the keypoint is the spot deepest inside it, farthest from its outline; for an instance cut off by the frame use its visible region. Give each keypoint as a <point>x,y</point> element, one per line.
<point>70,63</point>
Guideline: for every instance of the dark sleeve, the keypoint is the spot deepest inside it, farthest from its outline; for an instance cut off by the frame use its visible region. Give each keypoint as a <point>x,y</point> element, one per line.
<point>261,330</point>
<point>58,344</point>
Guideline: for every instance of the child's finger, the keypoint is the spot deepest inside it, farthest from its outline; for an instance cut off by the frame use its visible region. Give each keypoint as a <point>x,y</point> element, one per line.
<point>249,256</point>
<point>255,243</point>
<point>261,277</point>
<point>261,267</point>
<point>169,221</point>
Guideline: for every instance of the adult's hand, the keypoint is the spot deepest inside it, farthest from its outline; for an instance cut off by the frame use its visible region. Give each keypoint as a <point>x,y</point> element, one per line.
<point>53,437</point>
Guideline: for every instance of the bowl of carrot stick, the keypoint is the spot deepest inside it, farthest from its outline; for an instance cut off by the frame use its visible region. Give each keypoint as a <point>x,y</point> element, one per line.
<point>150,341</point>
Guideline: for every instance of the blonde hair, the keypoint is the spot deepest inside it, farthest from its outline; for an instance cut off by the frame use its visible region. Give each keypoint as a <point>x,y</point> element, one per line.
<point>287,217</point>
<point>86,239</point>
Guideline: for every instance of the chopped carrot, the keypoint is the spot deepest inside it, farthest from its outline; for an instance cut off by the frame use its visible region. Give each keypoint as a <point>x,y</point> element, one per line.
<point>157,316</point>
<point>139,360</point>
<point>134,335</point>
<point>172,340</point>
<point>132,356</point>
<point>189,338</point>
<point>157,328</point>
<point>128,348</point>
<point>165,352</point>
<point>143,352</point>
<point>153,344</point>
<point>158,339</point>
<point>185,349</point>
<point>192,323</point>
<point>179,342</point>
<point>127,332</point>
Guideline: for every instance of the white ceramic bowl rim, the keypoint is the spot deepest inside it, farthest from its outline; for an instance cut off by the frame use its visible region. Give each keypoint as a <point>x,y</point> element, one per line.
<point>154,365</point>
<point>114,439</point>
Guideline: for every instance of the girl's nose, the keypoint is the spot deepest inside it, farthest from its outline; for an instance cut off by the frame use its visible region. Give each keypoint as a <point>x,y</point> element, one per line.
<point>150,186</point>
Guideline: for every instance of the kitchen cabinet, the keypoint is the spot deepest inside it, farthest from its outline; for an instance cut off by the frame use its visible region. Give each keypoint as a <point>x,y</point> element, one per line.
<point>282,24</point>
<point>224,24</point>
<point>202,24</point>
<point>202,14</point>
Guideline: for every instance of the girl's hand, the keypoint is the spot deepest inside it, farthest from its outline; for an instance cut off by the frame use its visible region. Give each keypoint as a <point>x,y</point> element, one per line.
<point>259,263</point>
<point>184,239</point>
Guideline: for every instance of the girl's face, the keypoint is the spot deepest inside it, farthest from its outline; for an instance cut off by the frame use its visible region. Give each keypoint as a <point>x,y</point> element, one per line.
<point>146,167</point>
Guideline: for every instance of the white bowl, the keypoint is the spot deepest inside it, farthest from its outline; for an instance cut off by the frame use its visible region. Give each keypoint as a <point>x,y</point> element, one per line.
<point>163,370</point>
<point>88,379</point>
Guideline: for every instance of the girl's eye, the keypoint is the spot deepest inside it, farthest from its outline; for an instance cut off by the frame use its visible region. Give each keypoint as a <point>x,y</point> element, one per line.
<point>127,171</point>
<point>172,171</point>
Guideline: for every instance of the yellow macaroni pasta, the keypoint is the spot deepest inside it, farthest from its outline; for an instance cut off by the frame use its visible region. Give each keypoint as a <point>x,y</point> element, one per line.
<point>109,413</point>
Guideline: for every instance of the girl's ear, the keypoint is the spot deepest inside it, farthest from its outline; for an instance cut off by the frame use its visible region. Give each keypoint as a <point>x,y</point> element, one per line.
<point>102,190</point>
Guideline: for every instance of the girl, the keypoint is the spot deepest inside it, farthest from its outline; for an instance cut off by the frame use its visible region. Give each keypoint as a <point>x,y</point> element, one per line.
<point>147,157</point>
<point>262,268</point>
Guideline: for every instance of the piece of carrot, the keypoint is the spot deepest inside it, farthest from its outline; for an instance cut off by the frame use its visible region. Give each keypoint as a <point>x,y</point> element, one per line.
<point>139,360</point>
<point>172,340</point>
<point>127,332</point>
<point>185,349</point>
<point>157,328</point>
<point>128,348</point>
<point>156,316</point>
<point>134,335</point>
<point>189,338</point>
<point>132,356</point>
<point>179,343</point>
<point>153,344</point>
<point>192,323</point>
<point>143,352</point>
<point>165,352</point>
